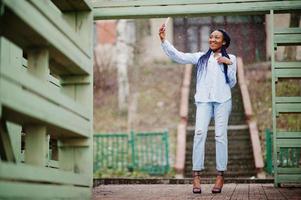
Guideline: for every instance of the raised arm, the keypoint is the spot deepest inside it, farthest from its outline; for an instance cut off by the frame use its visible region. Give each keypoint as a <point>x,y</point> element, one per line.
<point>173,53</point>
<point>178,56</point>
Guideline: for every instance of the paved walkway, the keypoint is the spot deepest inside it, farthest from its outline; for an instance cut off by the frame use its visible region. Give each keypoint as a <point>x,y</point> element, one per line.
<point>184,191</point>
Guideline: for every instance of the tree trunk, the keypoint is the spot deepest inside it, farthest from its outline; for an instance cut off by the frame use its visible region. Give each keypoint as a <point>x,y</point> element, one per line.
<point>124,58</point>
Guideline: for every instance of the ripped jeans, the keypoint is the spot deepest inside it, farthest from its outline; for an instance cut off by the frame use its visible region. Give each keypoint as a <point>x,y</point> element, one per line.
<point>204,112</point>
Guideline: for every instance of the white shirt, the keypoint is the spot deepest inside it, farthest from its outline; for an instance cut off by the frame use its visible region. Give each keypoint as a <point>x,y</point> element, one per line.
<point>211,86</point>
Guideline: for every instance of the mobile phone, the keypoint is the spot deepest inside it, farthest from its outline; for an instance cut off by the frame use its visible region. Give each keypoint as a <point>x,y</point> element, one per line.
<point>165,23</point>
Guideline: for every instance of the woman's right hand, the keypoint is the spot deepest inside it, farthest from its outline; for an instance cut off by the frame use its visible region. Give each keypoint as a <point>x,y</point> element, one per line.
<point>162,33</point>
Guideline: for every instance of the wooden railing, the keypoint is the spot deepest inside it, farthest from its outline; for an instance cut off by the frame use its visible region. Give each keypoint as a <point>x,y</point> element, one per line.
<point>259,164</point>
<point>46,93</point>
<point>181,135</point>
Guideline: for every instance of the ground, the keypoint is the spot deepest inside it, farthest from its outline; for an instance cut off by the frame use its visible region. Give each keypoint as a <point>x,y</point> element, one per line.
<point>230,191</point>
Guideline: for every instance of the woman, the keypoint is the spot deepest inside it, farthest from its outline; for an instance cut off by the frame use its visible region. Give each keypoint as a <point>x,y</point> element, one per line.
<point>216,75</point>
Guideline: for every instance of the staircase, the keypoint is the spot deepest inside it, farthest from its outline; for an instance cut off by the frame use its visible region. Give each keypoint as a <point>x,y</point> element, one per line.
<point>240,155</point>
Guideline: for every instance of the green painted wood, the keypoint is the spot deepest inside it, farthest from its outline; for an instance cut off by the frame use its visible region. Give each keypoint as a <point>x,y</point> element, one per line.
<point>274,113</point>
<point>131,3</point>
<point>288,73</point>
<point>293,30</point>
<point>54,81</point>
<point>72,5</point>
<point>288,142</point>
<point>60,104</point>
<point>42,191</point>
<point>288,99</point>
<point>60,122</point>
<point>36,145</point>
<point>14,132</point>
<point>288,107</point>
<point>287,39</point>
<point>63,25</point>
<point>296,135</point>
<point>62,50</point>
<point>26,172</point>
<point>289,170</point>
<point>6,144</point>
<point>44,89</point>
<point>190,9</point>
<point>36,139</point>
<point>279,65</point>
<point>289,178</point>
<point>81,23</point>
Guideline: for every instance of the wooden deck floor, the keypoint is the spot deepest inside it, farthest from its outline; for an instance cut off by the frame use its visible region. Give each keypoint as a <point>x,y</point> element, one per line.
<point>231,191</point>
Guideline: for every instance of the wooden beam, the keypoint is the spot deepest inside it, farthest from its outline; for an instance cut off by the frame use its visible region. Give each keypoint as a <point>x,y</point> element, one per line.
<point>73,5</point>
<point>19,190</point>
<point>34,25</point>
<point>147,9</point>
<point>36,147</point>
<point>26,172</point>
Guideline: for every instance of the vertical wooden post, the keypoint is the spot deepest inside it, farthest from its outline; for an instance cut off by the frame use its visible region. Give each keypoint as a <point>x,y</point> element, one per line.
<point>36,141</point>
<point>77,154</point>
<point>38,63</point>
<point>36,145</point>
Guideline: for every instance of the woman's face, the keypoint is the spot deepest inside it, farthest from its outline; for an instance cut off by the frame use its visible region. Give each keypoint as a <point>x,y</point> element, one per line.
<point>216,40</point>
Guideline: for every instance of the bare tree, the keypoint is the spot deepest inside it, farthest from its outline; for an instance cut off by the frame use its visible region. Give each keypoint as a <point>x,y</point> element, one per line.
<point>124,58</point>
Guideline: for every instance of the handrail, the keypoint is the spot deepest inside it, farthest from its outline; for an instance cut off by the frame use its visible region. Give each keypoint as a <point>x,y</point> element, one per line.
<point>181,133</point>
<point>259,164</point>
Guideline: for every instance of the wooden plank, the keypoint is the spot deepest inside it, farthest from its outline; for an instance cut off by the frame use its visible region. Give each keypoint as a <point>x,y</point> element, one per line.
<point>296,135</point>
<point>294,30</point>
<point>36,145</point>
<point>286,142</point>
<point>24,172</point>
<point>15,190</point>
<point>289,178</point>
<point>54,81</point>
<point>244,89</point>
<point>183,9</point>
<point>289,170</point>
<point>6,144</point>
<point>11,70</point>
<point>185,92</point>
<point>58,20</point>
<point>287,39</point>
<point>257,154</point>
<point>38,63</point>
<point>44,90</point>
<point>288,73</point>
<point>288,99</point>
<point>33,28</point>
<point>14,132</point>
<point>279,65</point>
<point>288,107</point>
<point>59,121</point>
<point>136,3</point>
<point>72,5</point>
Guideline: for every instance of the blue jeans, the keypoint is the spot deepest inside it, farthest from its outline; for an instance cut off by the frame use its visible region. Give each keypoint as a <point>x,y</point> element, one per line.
<point>204,112</point>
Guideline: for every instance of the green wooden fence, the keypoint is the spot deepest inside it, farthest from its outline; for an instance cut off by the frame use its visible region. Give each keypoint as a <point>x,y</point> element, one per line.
<point>142,151</point>
<point>284,140</point>
<point>288,157</point>
<point>46,93</point>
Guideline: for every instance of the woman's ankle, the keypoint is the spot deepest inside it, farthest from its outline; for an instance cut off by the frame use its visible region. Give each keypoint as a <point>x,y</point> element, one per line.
<point>220,173</point>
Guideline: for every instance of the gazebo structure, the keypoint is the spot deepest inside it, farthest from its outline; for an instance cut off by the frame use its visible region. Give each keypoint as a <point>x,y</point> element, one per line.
<point>46,87</point>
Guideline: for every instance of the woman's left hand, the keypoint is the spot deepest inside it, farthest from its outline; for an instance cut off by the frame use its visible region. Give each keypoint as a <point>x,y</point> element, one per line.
<point>224,59</point>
